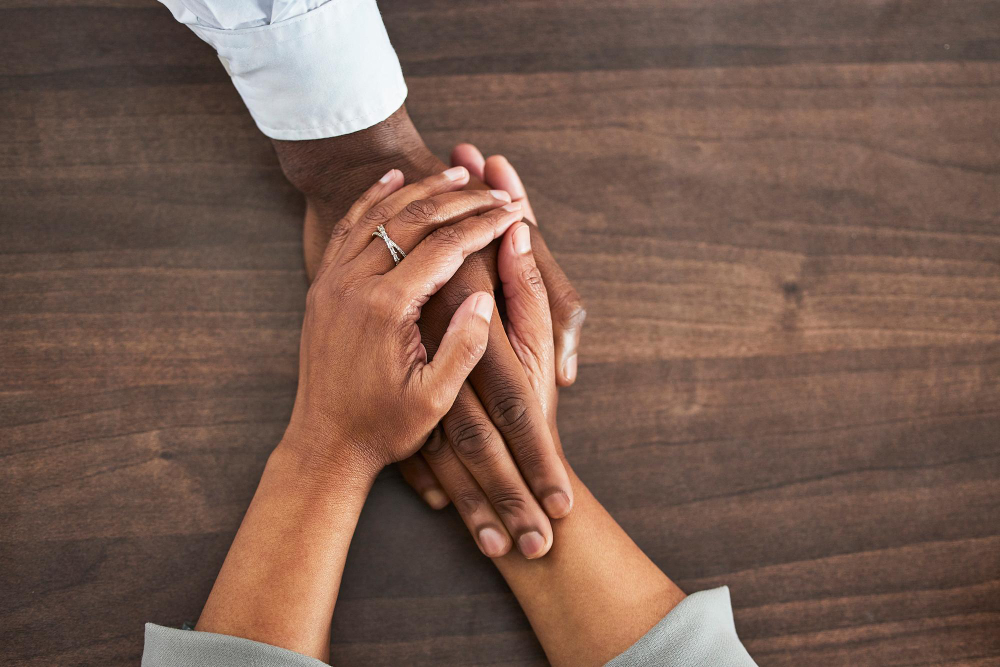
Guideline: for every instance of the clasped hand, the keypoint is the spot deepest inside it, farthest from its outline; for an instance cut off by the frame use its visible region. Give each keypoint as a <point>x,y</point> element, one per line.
<point>368,394</point>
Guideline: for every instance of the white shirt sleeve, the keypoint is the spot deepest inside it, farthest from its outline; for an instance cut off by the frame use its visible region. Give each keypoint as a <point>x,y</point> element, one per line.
<point>306,69</point>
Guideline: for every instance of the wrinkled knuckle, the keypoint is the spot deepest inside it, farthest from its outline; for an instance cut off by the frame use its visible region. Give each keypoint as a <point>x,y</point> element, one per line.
<point>378,215</point>
<point>471,438</point>
<point>510,413</point>
<point>449,237</point>
<point>435,450</point>
<point>532,278</point>
<point>340,230</point>
<point>567,308</point>
<point>508,502</point>
<point>420,210</point>
<point>467,501</point>
<point>472,349</point>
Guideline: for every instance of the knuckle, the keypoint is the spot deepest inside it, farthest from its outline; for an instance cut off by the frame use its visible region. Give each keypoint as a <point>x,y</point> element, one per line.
<point>378,215</point>
<point>471,350</point>
<point>567,307</point>
<point>435,450</point>
<point>449,237</point>
<point>420,210</point>
<point>510,413</point>
<point>508,501</point>
<point>467,501</point>
<point>532,278</point>
<point>472,439</point>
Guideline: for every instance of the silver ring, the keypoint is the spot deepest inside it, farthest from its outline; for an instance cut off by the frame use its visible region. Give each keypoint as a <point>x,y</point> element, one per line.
<point>394,249</point>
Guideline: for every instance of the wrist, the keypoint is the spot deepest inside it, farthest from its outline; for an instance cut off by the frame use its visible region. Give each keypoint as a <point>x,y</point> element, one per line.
<point>322,469</point>
<point>332,172</point>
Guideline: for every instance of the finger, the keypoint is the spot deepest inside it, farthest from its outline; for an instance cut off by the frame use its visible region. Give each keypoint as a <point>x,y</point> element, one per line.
<point>391,182</point>
<point>421,217</point>
<point>359,235</point>
<point>500,174</point>
<point>470,501</point>
<point>436,259</point>
<point>468,156</point>
<point>568,313</point>
<point>460,350</point>
<point>529,323</point>
<point>481,448</point>
<point>418,475</point>
<point>509,399</point>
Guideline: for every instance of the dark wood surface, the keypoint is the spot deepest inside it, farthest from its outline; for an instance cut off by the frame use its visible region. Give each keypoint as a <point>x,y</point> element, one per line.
<point>783,217</point>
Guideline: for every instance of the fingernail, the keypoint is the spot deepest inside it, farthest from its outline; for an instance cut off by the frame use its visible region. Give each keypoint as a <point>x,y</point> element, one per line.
<point>435,498</point>
<point>569,368</point>
<point>531,544</point>
<point>388,176</point>
<point>492,541</point>
<point>512,207</point>
<point>500,194</point>
<point>522,240</point>
<point>557,505</point>
<point>484,307</point>
<point>454,173</point>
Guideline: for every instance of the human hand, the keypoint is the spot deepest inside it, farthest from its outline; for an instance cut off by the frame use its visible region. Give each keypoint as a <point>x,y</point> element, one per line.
<point>367,394</point>
<point>497,426</point>
<point>529,328</point>
<point>417,472</point>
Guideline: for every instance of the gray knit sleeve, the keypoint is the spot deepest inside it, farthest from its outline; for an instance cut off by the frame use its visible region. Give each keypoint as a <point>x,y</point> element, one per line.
<point>698,631</point>
<point>167,647</point>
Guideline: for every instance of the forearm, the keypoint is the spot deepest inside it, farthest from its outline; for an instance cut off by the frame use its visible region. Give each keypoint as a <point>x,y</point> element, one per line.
<point>595,593</point>
<point>279,582</point>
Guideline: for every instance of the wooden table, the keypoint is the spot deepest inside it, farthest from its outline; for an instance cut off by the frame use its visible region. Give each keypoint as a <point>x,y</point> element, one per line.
<point>782,217</point>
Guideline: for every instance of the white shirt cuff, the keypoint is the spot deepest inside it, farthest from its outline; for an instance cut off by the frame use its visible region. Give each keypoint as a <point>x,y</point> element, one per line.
<point>328,72</point>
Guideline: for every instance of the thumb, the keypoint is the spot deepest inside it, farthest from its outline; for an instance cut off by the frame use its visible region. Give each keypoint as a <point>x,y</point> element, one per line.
<point>460,350</point>
<point>529,322</point>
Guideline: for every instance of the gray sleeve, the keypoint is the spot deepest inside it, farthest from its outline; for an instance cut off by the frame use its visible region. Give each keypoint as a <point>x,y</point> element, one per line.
<point>166,647</point>
<point>698,631</point>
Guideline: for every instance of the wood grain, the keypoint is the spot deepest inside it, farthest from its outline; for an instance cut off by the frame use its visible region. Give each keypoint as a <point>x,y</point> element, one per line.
<point>783,218</point>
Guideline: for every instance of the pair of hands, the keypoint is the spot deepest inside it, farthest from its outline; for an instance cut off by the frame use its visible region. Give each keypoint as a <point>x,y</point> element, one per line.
<point>368,395</point>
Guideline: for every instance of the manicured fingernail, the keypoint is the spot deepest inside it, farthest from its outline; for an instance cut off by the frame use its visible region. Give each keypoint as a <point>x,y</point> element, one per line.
<point>522,240</point>
<point>569,368</point>
<point>492,541</point>
<point>455,173</point>
<point>500,194</point>
<point>557,505</point>
<point>484,307</point>
<point>435,498</point>
<point>512,207</point>
<point>388,176</point>
<point>531,544</point>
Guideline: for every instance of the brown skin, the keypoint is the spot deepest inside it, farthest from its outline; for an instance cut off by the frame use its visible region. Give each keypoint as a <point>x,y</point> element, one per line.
<point>596,592</point>
<point>279,582</point>
<point>500,435</point>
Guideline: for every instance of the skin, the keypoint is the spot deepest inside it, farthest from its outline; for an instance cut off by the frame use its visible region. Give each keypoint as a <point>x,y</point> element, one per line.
<point>500,436</point>
<point>595,593</point>
<point>363,402</point>
<point>590,598</point>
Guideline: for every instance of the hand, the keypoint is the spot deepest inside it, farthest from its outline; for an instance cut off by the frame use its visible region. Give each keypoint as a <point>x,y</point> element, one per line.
<point>496,426</point>
<point>367,395</point>
<point>478,516</point>
<point>529,328</point>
